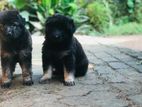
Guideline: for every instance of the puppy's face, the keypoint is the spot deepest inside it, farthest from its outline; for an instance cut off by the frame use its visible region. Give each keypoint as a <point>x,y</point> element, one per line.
<point>12,24</point>
<point>59,28</point>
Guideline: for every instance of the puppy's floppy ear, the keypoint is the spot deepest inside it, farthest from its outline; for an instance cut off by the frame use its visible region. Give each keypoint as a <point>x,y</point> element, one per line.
<point>72,26</point>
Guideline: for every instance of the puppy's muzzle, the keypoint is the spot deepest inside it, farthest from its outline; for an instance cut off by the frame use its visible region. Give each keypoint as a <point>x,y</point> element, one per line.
<point>57,36</point>
<point>9,31</point>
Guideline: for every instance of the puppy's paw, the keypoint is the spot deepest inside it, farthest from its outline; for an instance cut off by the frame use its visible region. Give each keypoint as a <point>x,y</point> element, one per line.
<point>68,79</point>
<point>28,82</point>
<point>6,84</point>
<point>44,79</point>
<point>69,83</point>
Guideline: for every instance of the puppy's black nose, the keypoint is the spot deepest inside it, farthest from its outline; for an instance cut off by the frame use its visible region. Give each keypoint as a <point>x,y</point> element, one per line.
<point>9,31</point>
<point>57,36</point>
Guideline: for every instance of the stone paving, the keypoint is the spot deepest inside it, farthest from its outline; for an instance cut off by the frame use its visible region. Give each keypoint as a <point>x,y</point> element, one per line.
<point>114,79</point>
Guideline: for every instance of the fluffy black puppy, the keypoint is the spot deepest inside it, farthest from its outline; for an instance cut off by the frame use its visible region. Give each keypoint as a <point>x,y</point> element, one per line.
<point>16,46</point>
<point>62,51</point>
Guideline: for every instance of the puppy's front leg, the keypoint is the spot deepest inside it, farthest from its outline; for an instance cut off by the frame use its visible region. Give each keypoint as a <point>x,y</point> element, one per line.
<point>47,75</point>
<point>25,63</point>
<point>69,70</point>
<point>47,68</point>
<point>8,66</point>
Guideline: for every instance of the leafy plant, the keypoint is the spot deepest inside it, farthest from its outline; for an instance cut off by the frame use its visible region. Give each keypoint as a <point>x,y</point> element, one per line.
<point>130,4</point>
<point>87,29</point>
<point>36,11</point>
<point>3,5</point>
<point>119,9</point>
<point>90,16</point>
<point>19,4</point>
<point>97,13</point>
<point>138,11</point>
<point>122,20</point>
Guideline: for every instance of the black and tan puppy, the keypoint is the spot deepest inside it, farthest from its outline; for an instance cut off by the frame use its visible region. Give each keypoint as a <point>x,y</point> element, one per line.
<point>16,46</point>
<point>62,51</point>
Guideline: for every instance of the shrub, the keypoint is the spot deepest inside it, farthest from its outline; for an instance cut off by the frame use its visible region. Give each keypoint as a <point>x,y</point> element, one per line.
<point>118,10</point>
<point>90,16</point>
<point>87,29</point>
<point>125,29</point>
<point>122,20</point>
<point>98,15</point>
<point>4,5</point>
<point>138,13</point>
<point>36,11</point>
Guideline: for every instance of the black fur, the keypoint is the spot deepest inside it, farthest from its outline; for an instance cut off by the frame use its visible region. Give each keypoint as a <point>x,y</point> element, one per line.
<point>16,46</point>
<point>61,49</point>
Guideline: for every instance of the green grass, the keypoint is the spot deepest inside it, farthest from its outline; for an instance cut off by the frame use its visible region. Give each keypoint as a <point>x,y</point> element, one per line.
<point>126,29</point>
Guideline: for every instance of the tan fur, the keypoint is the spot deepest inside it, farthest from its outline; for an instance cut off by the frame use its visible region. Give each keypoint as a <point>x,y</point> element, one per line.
<point>68,76</point>
<point>5,76</point>
<point>5,54</point>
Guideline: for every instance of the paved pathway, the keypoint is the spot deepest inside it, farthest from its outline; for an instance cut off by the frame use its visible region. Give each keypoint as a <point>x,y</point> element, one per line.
<point>114,79</point>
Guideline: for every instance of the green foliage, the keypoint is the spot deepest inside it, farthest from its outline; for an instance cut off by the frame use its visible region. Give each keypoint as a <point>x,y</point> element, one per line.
<point>98,15</point>
<point>36,11</point>
<point>92,17</point>
<point>122,20</point>
<point>126,29</point>
<point>66,8</point>
<point>86,29</point>
<point>138,11</point>
<point>130,4</point>
<point>19,4</point>
<point>3,5</point>
<point>118,8</point>
<point>80,17</point>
